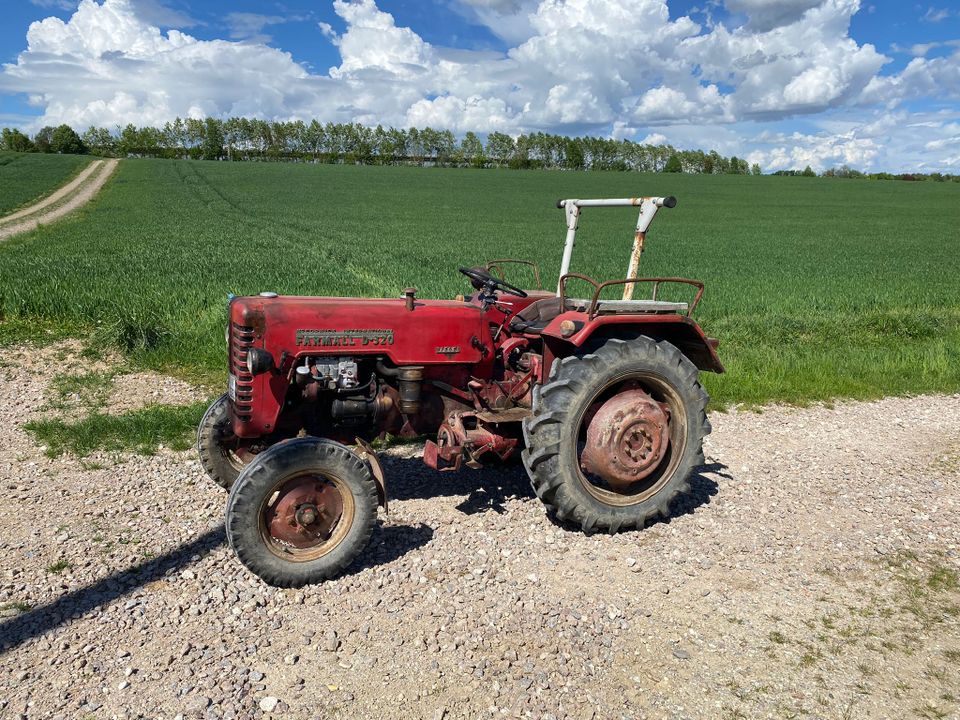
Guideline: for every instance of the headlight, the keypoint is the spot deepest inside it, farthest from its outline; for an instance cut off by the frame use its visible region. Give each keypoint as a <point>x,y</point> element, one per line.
<point>259,361</point>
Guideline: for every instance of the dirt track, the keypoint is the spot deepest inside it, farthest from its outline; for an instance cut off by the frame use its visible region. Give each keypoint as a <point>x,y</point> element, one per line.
<point>812,572</point>
<point>75,194</point>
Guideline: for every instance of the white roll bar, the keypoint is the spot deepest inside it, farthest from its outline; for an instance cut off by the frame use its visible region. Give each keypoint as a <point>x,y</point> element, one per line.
<point>648,209</point>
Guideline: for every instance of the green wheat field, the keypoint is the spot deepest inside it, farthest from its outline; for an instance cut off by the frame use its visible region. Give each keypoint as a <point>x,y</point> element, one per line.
<point>817,288</point>
<point>25,177</point>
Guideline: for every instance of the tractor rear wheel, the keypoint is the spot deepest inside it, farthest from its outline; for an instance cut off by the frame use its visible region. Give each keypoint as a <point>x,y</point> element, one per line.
<point>221,454</point>
<point>615,434</point>
<point>301,511</point>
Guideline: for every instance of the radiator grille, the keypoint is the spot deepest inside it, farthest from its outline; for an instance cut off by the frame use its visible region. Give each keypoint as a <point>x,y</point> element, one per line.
<point>241,338</point>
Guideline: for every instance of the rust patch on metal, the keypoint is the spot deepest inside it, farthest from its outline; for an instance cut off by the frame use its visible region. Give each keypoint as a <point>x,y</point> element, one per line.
<point>367,453</point>
<point>627,439</point>
<point>306,511</point>
<point>634,266</point>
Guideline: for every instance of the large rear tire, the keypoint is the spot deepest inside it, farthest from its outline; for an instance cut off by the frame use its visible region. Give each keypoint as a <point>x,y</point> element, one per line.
<point>217,446</point>
<point>301,511</point>
<point>648,438</point>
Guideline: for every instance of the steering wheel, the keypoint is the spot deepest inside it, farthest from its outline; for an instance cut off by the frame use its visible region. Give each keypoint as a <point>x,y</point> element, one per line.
<point>483,280</point>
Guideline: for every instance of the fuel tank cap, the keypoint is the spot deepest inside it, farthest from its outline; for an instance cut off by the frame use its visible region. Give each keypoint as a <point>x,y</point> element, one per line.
<point>268,294</point>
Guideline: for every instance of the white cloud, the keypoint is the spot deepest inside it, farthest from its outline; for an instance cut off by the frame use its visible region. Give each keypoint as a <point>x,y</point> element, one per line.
<point>620,67</point>
<point>808,66</point>
<point>106,66</point>
<point>452,113</point>
<point>766,15</point>
<point>374,42</point>
<point>64,5</point>
<point>249,26</point>
<point>936,78</point>
<point>654,139</point>
<point>507,19</point>
<point>155,12</point>
<point>897,142</point>
<point>935,15</point>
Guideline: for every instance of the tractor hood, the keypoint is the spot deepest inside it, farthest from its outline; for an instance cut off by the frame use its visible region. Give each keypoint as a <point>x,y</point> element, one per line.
<point>433,331</point>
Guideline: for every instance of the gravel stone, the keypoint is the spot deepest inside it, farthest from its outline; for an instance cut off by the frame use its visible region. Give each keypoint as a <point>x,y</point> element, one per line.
<point>269,704</point>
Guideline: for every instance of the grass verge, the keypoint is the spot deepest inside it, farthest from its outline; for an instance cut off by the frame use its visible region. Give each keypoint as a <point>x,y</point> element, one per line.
<point>142,431</point>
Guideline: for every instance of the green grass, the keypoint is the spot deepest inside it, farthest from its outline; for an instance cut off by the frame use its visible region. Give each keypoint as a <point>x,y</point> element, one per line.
<point>17,605</point>
<point>25,177</point>
<point>141,431</point>
<point>59,566</point>
<point>778,637</point>
<point>817,288</point>
<point>90,390</point>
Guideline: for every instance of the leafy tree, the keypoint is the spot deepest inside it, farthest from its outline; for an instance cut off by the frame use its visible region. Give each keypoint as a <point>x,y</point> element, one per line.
<point>398,144</point>
<point>500,148</point>
<point>673,165</point>
<point>43,139</point>
<point>573,154</point>
<point>472,150</point>
<point>15,140</point>
<point>755,169</point>
<point>445,146</point>
<point>194,132</point>
<point>520,159</point>
<point>808,172</point>
<point>64,139</point>
<point>129,142</point>
<point>99,140</point>
<point>212,139</point>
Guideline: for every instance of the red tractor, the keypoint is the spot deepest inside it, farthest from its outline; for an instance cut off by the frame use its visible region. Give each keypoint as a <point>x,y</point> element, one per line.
<point>600,398</point>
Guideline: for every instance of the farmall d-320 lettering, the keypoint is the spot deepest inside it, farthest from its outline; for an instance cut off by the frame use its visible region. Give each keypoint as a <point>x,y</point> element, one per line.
<point>601,399</point>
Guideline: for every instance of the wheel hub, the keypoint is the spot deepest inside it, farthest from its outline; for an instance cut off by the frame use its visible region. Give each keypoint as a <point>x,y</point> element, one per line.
<point>304,513</point>
<point>627,438</point>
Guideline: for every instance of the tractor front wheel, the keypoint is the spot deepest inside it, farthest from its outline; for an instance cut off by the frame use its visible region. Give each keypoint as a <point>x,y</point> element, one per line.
<point>615,434</point>
<point>301,511</point>
<point>222,455</point>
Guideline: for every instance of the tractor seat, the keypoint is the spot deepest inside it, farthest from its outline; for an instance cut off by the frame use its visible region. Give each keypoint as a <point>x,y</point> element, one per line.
<point>536,316</point>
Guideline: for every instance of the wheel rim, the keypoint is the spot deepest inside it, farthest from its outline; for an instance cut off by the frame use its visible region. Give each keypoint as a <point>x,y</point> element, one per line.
<point>306,516</point>
<point>237,455</point>
<point>637,443</point>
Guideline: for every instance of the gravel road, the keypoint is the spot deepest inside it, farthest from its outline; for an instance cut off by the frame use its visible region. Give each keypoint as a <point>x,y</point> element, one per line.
<point>811,573</point>
<point>78,192</point>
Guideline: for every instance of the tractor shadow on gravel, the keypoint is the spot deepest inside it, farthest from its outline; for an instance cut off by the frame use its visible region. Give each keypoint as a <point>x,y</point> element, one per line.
<point>387,544</point>
<point>30,624</point>
<point>485,490</point>
<point>490,488</point>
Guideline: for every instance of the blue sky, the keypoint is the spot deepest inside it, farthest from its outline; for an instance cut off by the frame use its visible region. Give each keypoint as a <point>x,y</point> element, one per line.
<point>874,84</point>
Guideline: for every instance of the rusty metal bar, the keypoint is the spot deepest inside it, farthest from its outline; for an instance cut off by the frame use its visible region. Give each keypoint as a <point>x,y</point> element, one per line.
<point>563,287</point>
<point>595,302</point>
<point>634,264</point>
<point>496,265</point>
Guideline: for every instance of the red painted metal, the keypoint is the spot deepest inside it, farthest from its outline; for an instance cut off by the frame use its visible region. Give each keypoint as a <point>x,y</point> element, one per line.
<point>465,438</point>
<point>470,361</point>
<point>355,327</point>
<point>305,512</point>
<point>682,331</point>
<point>627,439</point>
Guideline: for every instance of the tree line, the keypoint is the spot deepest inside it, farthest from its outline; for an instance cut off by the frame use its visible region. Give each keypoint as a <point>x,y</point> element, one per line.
<point>246,139</point>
